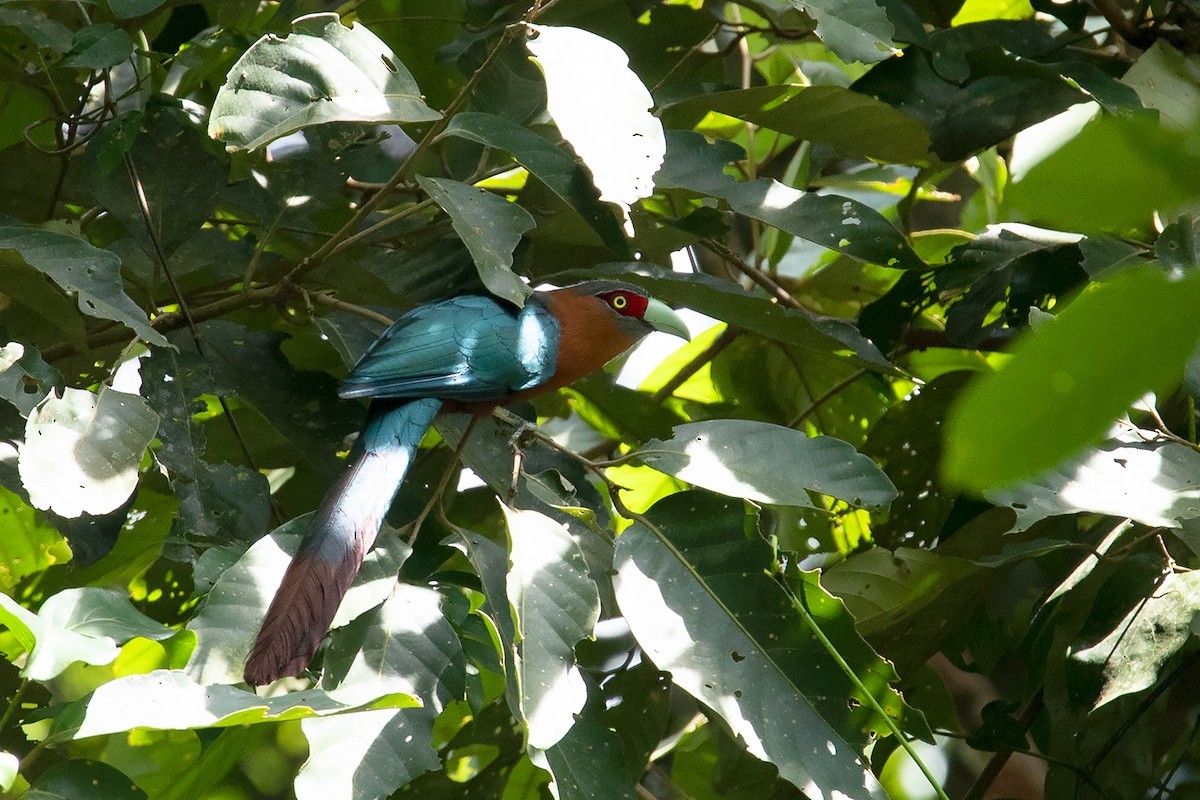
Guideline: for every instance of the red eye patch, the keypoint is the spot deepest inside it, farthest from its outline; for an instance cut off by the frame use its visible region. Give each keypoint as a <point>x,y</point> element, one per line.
<point>625,303</point>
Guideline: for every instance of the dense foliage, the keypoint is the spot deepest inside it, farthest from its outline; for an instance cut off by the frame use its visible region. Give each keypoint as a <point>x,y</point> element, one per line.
<point>914,514</point>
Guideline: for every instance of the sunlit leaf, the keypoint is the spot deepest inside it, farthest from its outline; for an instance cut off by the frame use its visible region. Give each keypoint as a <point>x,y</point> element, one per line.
<point>82,450</point>
<point>1132,654</point>
<point>695,589</point>
<point>837,223</point>
<point>321,72</point>
<point>857,30</point>
<point>556,605</point>
<point>768,463</point>
<point>1057,393</point>
<point>170,700</point>
<point>367,754</point>
<point>602,108</point>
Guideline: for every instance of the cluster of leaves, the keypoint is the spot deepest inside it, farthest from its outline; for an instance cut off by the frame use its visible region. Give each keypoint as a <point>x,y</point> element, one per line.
<point>909,484</point>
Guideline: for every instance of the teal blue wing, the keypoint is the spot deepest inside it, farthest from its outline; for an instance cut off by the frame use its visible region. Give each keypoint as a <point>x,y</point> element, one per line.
<point>465,348</point>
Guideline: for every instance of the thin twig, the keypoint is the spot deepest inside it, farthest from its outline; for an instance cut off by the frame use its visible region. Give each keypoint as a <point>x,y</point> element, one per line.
<point>322,299</point>
<point>755,274</point>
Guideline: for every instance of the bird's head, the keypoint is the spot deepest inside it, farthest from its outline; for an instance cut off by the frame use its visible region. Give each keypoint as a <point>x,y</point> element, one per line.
<point>634,310</point>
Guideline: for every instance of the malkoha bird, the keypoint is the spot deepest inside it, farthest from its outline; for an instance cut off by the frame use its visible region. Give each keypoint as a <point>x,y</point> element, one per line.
<point>467,353</point>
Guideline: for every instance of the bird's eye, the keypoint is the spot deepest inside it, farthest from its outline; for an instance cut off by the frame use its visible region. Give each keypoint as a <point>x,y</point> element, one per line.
<point>620,301</point>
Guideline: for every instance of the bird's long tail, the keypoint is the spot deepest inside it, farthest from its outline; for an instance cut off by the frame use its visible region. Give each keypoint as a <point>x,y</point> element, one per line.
<point>340,533</point>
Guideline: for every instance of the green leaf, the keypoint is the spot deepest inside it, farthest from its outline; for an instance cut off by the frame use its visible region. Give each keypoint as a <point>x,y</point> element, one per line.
<point>831,221</point>
<point>603,109</point>
<point>156,143</point>
<point>365,755</point>
<point>27,544</point>
<point>41,30</point>
<point>1150,167</point>
<point>25,379</point>
<point>857,30</point>
<point>403,645</point>
<point>51,649</point>
<point>227,624</point>
<point>82,450</point>
<point>695,588</point>
<point>550,164</point>
<point>1057,393</point>
<point>768,463</point>
<point>218,502</point>
<point>883,588</point>
<point>1130,475</point>
<point>171,700</point>
<point>76,266</point>
<point>1169,81</point>
<point>99,46</point>
<point>556,605</point>
<point>126,9</point>
<point>1132,654</point>
<point>491,227</point>
<point>85,778</point>
<point>322,72</point>
<point>589,762</point>
<point>850,122</point>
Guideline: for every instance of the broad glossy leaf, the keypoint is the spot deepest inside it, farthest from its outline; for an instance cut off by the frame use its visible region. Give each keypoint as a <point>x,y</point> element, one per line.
<point>1131,656</point>
<point>125,9</point>
<point>550,164</point>
<point>217,502</point>
<point>831,221</point>
<point>171,700</point>
<point>589,762</point>
<point>1169,81</point>
<point>857,30</point>
<point>365,755</point>
<point>850,122</point>
<point>491,227</point>
<point>321,72</point>
<point>99,46</point>
<point>51,649</point>
<point>1149,166</point>
<point>1058,393</point>
<point>881,588</point>
<point>93,274</point>
<point>227,624</point>
<point>695,588</point>
<point>768,463</point>
<point>556,605</point>
<point>25,379</point>
<point>81,451</point>
<point>405,645</point>
<point>1130,475</point>
<point>603,109</point>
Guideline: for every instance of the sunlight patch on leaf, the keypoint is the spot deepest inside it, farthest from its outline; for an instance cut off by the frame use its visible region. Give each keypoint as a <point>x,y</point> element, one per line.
<point>603,109</point>
<point>322,72</point>
<point>82,450</point>
<point>768,463</point>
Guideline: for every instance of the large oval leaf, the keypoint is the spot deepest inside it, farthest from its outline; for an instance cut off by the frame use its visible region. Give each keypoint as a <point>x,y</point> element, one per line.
<point>768,463</point>
<point>322,72</point>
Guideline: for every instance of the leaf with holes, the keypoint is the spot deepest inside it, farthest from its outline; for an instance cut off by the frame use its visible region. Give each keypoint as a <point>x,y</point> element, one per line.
<point>694,582</point>
<point>93,274</point>
<point>82,450</point>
